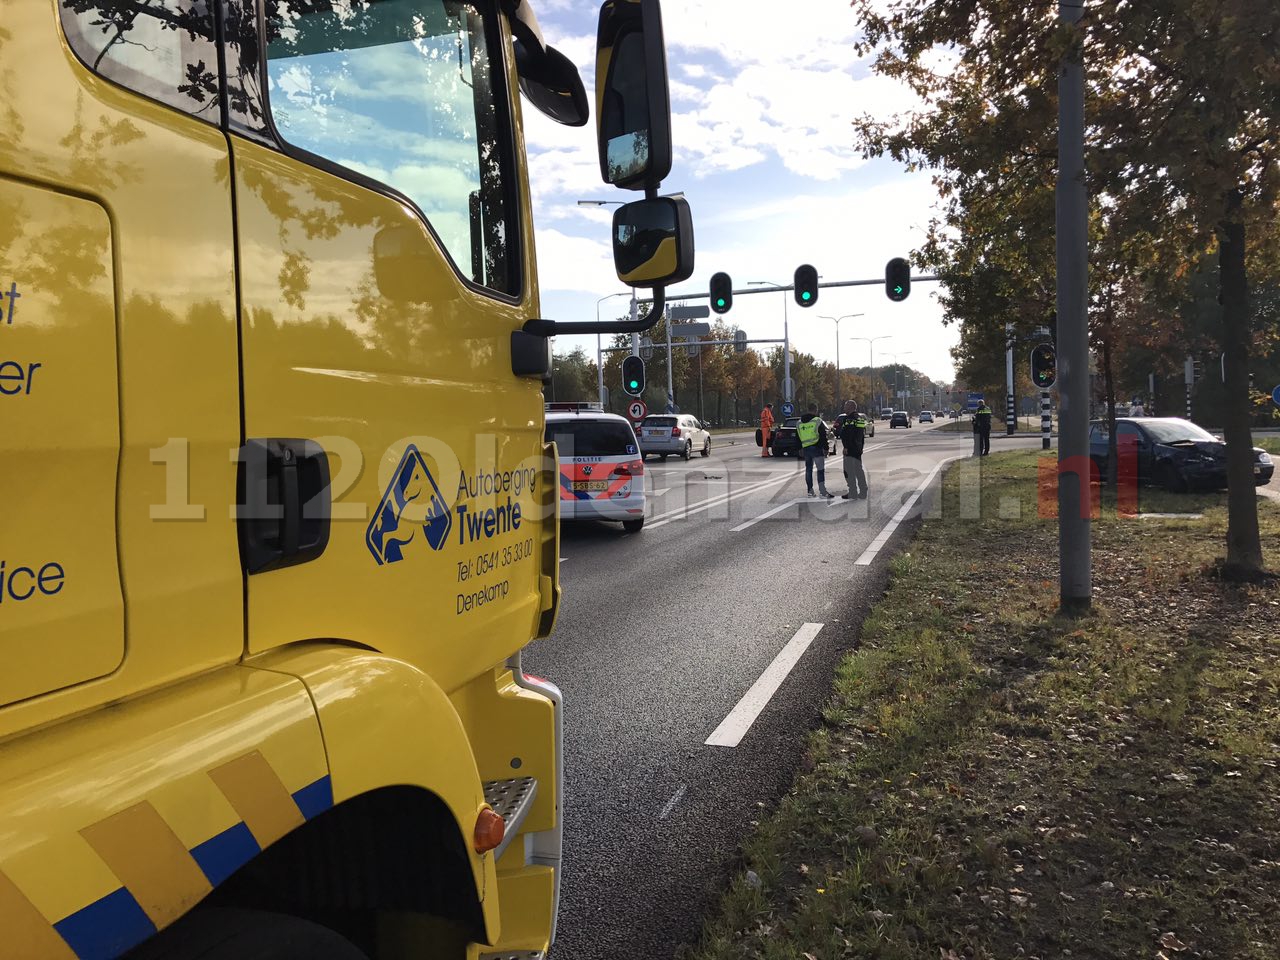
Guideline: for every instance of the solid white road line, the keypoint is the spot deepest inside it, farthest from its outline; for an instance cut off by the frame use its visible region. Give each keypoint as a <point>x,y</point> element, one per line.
<point>719,499</point>
<point>735,726</point>
<point>671,804</point>
<point>883,536</point>
<point>769,513</point>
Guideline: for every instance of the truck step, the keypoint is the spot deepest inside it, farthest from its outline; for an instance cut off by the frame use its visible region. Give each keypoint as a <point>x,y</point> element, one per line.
<point>515,955</point>
<point>512,800</point>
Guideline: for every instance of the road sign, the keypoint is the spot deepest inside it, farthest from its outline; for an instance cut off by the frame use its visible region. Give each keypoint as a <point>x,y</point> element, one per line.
<point>692,349</point>
<point>788,408</point>
<point>1275,396</point>
<point>638,410</point>
<point>691,313</point>
<point>740,341</point>
<point>974,400</point>
<point>691,329</point>
<point>646,349</point>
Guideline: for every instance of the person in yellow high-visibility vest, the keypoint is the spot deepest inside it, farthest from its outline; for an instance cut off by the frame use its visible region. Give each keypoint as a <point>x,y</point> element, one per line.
<point>766,429</point>
<point>812,433</point>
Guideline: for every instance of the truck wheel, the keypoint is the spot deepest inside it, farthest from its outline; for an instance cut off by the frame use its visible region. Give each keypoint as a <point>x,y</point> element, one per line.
<point>234,934</point>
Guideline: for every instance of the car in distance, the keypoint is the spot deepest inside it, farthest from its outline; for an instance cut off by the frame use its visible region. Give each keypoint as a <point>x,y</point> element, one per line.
<point>926,416</point>
<point>664,434</point>
<point>1170,452</point>
<point>899,418</point>
<point>886,413</point>
<point>601,470</point>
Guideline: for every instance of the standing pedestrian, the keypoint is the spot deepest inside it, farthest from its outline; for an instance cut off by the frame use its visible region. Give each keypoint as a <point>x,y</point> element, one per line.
<point>766,428</point>
<point>851,428</point>
<point>982,427</point>
<point>812,432</point>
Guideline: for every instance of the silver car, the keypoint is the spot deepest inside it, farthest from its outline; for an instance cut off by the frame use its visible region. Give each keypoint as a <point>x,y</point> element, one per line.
<point>681,434</point>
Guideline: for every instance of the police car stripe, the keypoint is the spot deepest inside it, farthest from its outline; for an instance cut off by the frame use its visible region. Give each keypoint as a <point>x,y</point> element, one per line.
<point>27,934</point>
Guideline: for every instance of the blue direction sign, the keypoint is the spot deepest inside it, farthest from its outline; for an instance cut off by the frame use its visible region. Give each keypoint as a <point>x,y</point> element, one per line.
<point>1275,396</point>
<point>788,408</point>
<point>974,400</point>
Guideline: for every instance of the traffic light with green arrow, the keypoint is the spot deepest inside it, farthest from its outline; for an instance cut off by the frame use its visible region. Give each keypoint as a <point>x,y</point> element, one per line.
<point>897,279</point>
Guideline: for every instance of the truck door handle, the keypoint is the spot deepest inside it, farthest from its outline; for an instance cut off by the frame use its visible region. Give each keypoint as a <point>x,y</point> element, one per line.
<point>283,503</point>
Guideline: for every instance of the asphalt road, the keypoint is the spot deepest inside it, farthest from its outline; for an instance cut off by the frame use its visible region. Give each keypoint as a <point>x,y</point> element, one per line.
<point>664,632</point>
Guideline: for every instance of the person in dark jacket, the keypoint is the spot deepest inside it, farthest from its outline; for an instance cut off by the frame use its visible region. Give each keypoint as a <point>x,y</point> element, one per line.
<point>982,427</point>
<point>812,433</point>
<point>851,428</point>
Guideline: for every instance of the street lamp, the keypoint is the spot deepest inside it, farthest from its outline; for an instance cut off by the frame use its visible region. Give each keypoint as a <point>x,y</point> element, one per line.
<point>599,353</point>
<point>786,337</point>
<point>900,353</point>
<point>678,195</point>
<point>871,350</point>
<point>847,316</point>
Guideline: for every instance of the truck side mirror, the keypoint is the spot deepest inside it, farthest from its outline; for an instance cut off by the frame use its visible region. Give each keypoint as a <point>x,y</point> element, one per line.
<point>633,105</point>
<point>653,242</point>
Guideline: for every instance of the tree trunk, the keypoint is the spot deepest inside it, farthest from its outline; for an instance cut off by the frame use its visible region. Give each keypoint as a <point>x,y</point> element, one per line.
<point>1244,546</point>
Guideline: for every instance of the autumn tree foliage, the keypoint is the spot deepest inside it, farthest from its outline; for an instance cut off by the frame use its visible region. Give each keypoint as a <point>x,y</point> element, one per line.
<point>1183,158</point>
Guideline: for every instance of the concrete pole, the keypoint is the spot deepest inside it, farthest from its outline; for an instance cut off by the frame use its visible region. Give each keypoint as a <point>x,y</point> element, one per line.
<point>786,351</point>
<point>671,390</point>
<point>1072,213</point>
<point>1010,413</point>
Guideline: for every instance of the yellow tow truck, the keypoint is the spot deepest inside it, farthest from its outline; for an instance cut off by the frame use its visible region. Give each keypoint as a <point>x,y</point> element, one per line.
<point>277,517</point>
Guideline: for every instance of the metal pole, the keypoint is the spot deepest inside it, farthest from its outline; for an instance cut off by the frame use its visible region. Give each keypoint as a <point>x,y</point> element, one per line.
<point>1046,420</point>
<point>786,353</point>
<point>835,400</point>
<point>599,369</point>
<point>1010,414</point>
<point>1074,507</point>
<point>671,390</point>
<point>700,408</point>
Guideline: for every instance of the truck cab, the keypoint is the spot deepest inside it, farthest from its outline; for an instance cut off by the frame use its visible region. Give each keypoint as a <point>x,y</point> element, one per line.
<point>280,515</point>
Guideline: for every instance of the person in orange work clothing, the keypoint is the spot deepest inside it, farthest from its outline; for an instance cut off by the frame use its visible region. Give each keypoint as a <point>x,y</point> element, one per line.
<point>766,428</point>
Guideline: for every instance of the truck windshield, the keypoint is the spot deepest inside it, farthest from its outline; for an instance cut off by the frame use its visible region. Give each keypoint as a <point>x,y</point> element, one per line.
<point>405,92</point>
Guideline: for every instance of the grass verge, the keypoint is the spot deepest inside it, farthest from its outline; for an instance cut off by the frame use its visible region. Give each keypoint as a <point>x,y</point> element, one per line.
<point>993,781</point>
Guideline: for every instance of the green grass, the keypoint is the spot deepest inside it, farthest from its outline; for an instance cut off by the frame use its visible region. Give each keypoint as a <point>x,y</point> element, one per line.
<point>1269,444</point>
<point>993,781</point>
<point>963,425</point>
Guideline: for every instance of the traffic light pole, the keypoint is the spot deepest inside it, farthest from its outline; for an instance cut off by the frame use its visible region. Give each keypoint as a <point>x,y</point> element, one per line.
<point>1072,242</point>
<point>1046,420</point>
<point>671,390</point>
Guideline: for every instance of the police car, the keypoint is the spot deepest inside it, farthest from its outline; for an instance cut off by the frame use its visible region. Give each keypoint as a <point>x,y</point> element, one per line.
<point>601,469</point>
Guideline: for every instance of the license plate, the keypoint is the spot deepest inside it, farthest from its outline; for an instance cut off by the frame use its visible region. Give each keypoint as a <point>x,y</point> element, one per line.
<point>654,434</point>
<point>590,486</point>
<point>1257,470</point>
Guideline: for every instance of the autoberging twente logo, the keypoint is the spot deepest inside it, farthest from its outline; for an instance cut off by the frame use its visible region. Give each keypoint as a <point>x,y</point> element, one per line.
<point>411,509</point>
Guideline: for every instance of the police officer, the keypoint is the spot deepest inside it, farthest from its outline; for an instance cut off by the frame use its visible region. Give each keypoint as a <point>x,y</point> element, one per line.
<point>982,427</point>
<point>851,428</point>
<point>812,433</point>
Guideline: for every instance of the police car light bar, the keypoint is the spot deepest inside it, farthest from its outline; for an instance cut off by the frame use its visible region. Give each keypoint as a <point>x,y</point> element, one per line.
<point>574,407</point>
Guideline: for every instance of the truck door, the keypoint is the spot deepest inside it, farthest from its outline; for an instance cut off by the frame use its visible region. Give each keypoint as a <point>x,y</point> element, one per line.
<point>118,376</point>
<point>385,259</point>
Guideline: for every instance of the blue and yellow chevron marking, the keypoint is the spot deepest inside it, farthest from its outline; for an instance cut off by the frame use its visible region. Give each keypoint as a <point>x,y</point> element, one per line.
<point>160,878</point>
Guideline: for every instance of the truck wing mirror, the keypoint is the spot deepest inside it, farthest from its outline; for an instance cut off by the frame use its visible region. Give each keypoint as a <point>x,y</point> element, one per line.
<point>553,85</point>
<point>653,242</point>
<point>633,105</point>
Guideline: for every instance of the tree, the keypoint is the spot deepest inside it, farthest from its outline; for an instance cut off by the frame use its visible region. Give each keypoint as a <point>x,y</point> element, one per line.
<point>1183,110</point>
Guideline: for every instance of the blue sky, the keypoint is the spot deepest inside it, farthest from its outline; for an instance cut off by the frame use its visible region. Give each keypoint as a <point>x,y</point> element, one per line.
<point>762,101</point>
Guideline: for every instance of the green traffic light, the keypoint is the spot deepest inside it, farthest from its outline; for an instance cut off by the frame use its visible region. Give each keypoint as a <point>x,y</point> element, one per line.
<point>634,384</point>
<point>806,295</point>
<point>898,289</point>
<point>720,301</point>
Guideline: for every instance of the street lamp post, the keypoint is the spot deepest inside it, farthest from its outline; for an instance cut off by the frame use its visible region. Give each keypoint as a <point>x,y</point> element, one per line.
<point>871,351</point>
<point>599,352</point>
<point>847,316</point>
<point>900,353</point>
<point>786,337</point>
